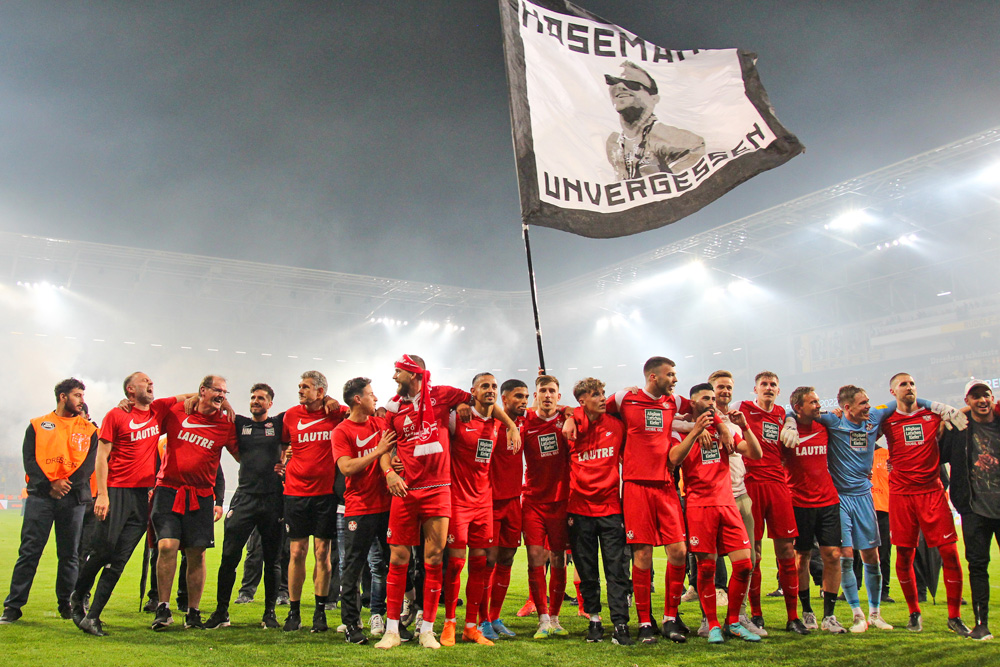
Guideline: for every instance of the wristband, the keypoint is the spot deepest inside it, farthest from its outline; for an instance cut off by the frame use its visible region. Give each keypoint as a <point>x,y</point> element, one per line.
<point>387,471</point>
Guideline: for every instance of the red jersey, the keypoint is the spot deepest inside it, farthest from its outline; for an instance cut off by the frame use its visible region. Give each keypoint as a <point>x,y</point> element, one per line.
<point>766,425</point>
<point>506,467</point>
<point>133,436</point>
<point>472,447</point>
<point>311,471</point>
<point>365,492</point>
<point>194,447</point>
<point>546,477</point>
<point>594,458</point>
<point>648,422</point>
<point>808,477</point>
<point>913,451</point>
<point>705,471</point>
<point>424,448</point>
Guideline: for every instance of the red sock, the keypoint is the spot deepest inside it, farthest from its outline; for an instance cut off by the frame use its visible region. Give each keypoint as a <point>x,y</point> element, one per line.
<point>642,586</point>
<point>474,588</point>
<point>536,586</point>
<point>452,584</point>
<point>788,577</point>
<point>754,594</point>
<point>484,598</point>
<point>432,591</point>
<point>557,588</point>
<point>706,590</point>
<point>675,587</point>
<point>906,577</point>
<point>395,586</point>
<point>576,584</point>
<point>738,582</point>
<point>498,592</point>
<point>952,578</point>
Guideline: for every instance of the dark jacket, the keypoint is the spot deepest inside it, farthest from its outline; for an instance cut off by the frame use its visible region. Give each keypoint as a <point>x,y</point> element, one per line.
<point>956,449</point>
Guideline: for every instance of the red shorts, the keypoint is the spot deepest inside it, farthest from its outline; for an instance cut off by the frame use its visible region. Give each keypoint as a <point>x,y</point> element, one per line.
<point>716,529</point>
<point>507,523</point>
<point>927,512</point>
<point>408,514</point>
<point>652,513</point>
<point>545,525</point>
<point>772,502</point>
<point>470,527</point>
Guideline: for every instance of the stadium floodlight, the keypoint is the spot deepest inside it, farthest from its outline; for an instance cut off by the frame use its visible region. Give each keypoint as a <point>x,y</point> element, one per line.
<point>849,220</point>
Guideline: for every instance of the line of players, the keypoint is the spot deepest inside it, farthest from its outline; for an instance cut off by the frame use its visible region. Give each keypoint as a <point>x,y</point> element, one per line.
<point>422,475</point>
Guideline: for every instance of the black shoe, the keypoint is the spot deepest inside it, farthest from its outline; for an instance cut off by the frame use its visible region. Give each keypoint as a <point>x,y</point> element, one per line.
<point>76,610</point>
<point>150,606</point>
<point>293,621</point>
<point>958,627</point>
<point>218,619</point>
<point>10,615</point>
<point>981,633</point>
<point>758,621</point>
<point>682,626</point>
<point>282,599</point>
<point>319,621</point>
<point>571,601</point>
<point>163,617</point>
<point>354,635</point>
<point>921,597</point>
<point>915,624</point>
<point>92,626</point>
<point>796,625</point>
<point>647,634</point>
<point>331,606</point>
<point>192,619</point>
<point>671,631</point>
<point>65,611</point>
<point>269,620</point>
<point>621,635</point>
<point>182,603</point>
<point>887,599</point>
<point>405,634</point>
<point>595,632</point>
<point>243,598</point>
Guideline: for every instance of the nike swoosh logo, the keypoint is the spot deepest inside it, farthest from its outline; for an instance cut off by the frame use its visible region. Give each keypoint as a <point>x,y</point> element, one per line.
<point>746,541</point>
<point>306,425</point>
<point>807,437</point>
<point>135,427</point>
<point>362,443</point>
<point>469,430</point>
<point>949,535</point>
<point>187,424</point>
<point>791,530</point>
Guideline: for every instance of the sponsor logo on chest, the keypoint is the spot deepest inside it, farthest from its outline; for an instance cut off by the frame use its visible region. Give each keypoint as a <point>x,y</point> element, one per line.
<point>913,434</point>
<point>484,448</point>
<point>195,439</point>
<point>859,441</point>
<point>710,454</point>
<point>314,436</point>
<point>548,444</point>
<point>654,419</point>
<point>769,431</point>
<point>596,453</point>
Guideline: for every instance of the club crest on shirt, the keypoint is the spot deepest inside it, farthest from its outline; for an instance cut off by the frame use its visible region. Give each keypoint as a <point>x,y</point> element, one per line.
<point>654,420</point>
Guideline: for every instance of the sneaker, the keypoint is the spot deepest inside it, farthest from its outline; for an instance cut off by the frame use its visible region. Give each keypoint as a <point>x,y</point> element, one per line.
<point>163,617</point>
<point>751,626</point>
<point>703,628</point>
<point>721,598</point>
<point>759,622</point>
<point>776,593</point>
<point>682,626</point>
<point>647,634</point>
<point>809,620</point>
<point>10,615</point>
<point>269,620</point>
<point>319,621</point>
<point>737,630</point>
<point>150,606</point>
<point>690,595</point>
<point>475,635</point>
<point>487,629</point>
<point>671,631</point>
<point>218,619</point>
<point>405,634</point>
<point>875,619</point>
<point>389,640</point>
<point>886,599</point>
<point>980,633</point>
<point>915,624</point>
<point>330,606</point>
<point>832,625</point>
<point>243,598</point>
<point>858,624</point>
<point>355,635</point>
<point>555,629</point>
<point>182,603</point>
<point>293,621</point>
<point>448,634</point>
<point>92,626</point>
<point>65,610</point>
<point>715,635</point>
<point>797,626</point>
<point>595,632</point>
<point>958,627</point>
<point>192,619</point>
<point>418,619</point>
<point>502,629</point>
<point>527,610</point>
<point>543,630</point>
<point>408,611</point>
<point>76,610</point>
<point>281,601</point>
<point>428,640</point>
<point>621,636</point>
<point>376,625</point>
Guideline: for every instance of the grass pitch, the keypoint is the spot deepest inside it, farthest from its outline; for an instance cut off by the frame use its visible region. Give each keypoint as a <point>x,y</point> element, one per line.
<point>42,638</point>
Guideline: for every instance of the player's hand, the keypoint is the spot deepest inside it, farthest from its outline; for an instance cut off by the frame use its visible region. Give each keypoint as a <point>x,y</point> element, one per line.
<point>217,512</point>
<point>569,429</point>
<point>330,405</point>
<point>888,467</point>
<point>125,405</point>
<point>789,435</point>
<point>60,487</point>
<point>190,404</point>
<point>703,421</point>
<point>380,413</point>
<point>397,486</point>
<point>705,439</point>
<point>464,412</point>
<point>279,467</point>
<point>953,418</point>
<point>397,464</point>
<point>725,436</point>
<point>632,390</point>
<point>738,418</point>
<point>514,439</point>
<point>386,444</point>
<point>228,410</point>
<point>837,412</point>
<point>101,507</point>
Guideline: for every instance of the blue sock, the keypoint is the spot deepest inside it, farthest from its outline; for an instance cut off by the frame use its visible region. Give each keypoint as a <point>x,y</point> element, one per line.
<point>873,584</point>
<point>849,582</point>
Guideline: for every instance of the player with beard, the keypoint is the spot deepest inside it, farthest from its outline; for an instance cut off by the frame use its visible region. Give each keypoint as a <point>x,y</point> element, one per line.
<point>184,499</point>
<point>419,416</point>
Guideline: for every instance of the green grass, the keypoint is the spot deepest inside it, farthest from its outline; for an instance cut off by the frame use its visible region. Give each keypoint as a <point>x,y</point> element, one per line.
<point>42,638</point>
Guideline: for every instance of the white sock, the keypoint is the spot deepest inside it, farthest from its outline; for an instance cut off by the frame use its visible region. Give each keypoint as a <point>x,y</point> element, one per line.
<point>554,620</point>
<point>543,618</point>
<point>392,625</point>
<point>426,626</point>
<point>470,626</point>
<point>450,620</point>
<point>594,618</point>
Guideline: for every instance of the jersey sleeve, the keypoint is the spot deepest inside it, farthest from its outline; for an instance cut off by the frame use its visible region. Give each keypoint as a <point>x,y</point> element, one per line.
<point>341,444</point>
<point>453,396</point>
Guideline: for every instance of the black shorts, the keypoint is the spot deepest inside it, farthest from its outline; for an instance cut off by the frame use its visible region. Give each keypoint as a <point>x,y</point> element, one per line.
<point>821,524</point>
<point>311,515</point>
<point>126,506</point>
<point>194,528</point>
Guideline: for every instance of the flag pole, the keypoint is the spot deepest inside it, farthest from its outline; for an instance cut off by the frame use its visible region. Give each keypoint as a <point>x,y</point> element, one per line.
<point>534,296</point>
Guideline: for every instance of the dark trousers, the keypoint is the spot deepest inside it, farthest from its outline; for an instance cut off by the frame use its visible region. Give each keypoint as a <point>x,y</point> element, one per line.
<point>360,534</point>
<point>884,550</point>
<point>247,512</point>
<point>253,565</point>
<point>586,533</point>
<point>111,544</point>
<point>979,531</point>
<point>39,515</point>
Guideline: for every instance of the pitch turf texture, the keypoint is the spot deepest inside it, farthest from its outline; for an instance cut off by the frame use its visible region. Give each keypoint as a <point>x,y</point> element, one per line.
<point>42,638</point>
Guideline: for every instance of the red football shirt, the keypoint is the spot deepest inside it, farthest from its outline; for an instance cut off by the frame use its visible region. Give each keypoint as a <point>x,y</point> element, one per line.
<point>546,477</point>
<point>506,467</point>
<point>913,451</point>
<point>705,471</point>
<point>766,425</point>
<point>648,421</point>
<point>133,436</point>
<point>594,457</point>
<point>364,492</point>
<point>424,448</point>
<point>194,447</point>
<point>311,471</point>
<point>808,476</point>
<point>472,446</point>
